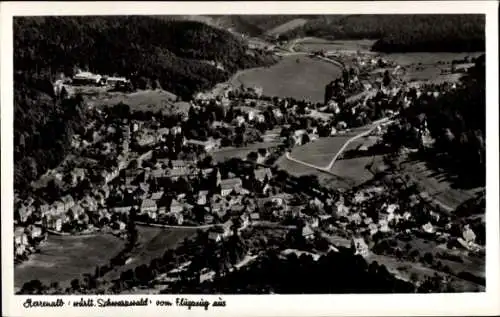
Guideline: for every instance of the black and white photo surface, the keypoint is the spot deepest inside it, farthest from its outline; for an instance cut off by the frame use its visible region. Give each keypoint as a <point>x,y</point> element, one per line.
<point>250,154</point>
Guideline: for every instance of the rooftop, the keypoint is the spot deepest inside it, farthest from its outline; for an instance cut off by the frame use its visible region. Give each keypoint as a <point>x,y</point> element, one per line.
<point>148,203</point>
<point>157,195</point>
<point>230,183</point>
<point>261,173</point>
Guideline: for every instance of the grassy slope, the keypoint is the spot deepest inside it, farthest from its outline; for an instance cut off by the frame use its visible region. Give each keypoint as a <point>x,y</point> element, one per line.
<point>65,258</point>
<point>321,151</point>
<point>153,242</point>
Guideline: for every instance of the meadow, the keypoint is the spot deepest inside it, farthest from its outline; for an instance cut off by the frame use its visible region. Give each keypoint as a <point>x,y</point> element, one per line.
<point>325,179</point>
<point>320,152</point>
<point>153,242</point>
<point>354,169</point>
<point>427,66</point>
<point>142,100</point>
<point>63,258</point>
<point>299,77</point>
<point>317,44</point>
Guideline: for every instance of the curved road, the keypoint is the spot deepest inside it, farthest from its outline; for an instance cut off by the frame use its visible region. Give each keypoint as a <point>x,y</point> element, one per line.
<point>361,134</point>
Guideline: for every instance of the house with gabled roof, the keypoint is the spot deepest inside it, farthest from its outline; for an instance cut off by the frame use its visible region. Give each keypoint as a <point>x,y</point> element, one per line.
<point>157,195</point>
<point>254,216</point>
<point>77,175</point>
<point>76,211</point>
<point>262,173</point>
<point>59,207</point>
<point>175,173</point>
<point>208,218</point>
<point>157,173</point>
<point>229,185</point>
<point>202,197</point>
<point>122,209</point>
<point>307,232</point>
<point>148,205</point>
<point>176,206</point>
<point>180,164</point>
<point>68,201</point>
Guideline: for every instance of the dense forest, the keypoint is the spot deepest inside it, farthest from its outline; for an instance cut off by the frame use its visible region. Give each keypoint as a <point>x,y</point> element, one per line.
<point>401,33</point>
<point>149,51</point>
<point>174,53</point>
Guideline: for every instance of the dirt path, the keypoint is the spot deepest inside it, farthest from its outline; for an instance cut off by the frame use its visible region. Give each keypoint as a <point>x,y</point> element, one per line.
<point>328,167</point>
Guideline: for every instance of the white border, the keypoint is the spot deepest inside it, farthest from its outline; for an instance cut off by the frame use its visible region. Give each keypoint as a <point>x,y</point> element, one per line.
<point>278,305</point>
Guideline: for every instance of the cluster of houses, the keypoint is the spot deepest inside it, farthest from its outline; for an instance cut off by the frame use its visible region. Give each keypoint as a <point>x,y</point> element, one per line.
<point>232,199</point>
<point>392,215</point>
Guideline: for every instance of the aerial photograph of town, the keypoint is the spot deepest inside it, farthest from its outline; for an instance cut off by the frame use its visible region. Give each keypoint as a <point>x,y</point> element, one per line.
<point>249,154</point>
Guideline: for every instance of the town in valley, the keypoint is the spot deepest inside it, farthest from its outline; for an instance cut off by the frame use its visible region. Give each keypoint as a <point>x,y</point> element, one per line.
<point>186,155</point>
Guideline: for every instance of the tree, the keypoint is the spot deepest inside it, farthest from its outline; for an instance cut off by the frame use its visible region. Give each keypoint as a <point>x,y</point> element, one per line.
<point>183,186</point>
<point>75,284</point>
<point>32,287</point>
<point>305,138</point>
<point>285,132</point>
<point>252,156</point>
<point>239,139</point>
<point>428,258</point>
<point>387,78</point>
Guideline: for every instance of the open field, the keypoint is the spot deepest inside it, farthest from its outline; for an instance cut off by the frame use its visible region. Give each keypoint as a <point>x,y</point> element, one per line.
<point>63,258</point>
<point>153,242</point>
<point>143,100</point>
<point>325,179</point>
<point>300,77</point>
<point>426,65</point>
<point>226,153</point>
<point>355,169</point>
<point>321,151</point>
<point>316,44</point>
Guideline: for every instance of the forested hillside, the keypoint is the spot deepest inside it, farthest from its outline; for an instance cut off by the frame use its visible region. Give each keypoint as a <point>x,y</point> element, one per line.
<point>149,51</point>
<point>401,33</point>
<point>43,127</point>
<point>457,121</point>
<point>133,47</point>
